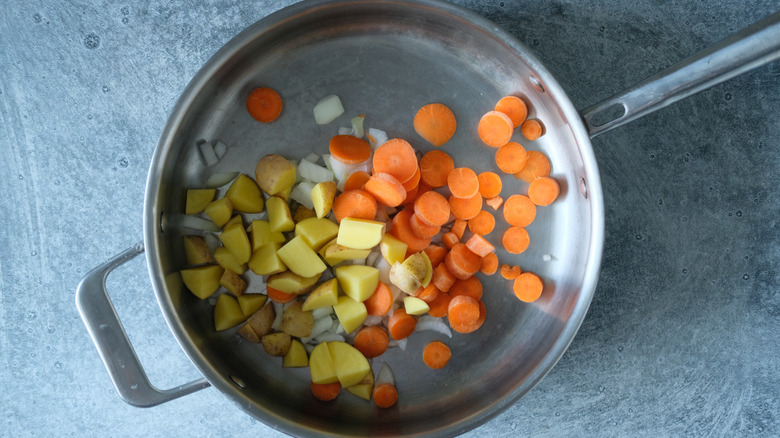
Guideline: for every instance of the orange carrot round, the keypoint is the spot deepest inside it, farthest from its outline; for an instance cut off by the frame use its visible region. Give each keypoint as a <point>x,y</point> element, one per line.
<point>386,189</point>
<point>463,183</point>
<point>511,157</point>
<point>442,278</point>
<point>435,167</point>
<point>279,296</point>
<point>356,180</point>
<point>482,224</point>
<point>489,184</point>
<point>528,287</point>
<point>465,208</point>
<point>357,204</point>
<point>385,395</point>
<point>450,239</point>
<point>413,182</point>
<point>428,293</point>
<point>432,208</point>
<point>402,230</point>
<point>479,245</point>
<point>519,211</point>
<point>459,227</point>
<point>396,157</point>
<point>380,302</point>
<point>435,123</point>
<point>515,240</point>
<point>532,129</point>
<point>495,129</point>
<point>421,229</point>
<point>514,107</point>
<point>436,355</point>
<point>325,391</point>
<point>349,149</point>
<point>537,164</point>
<point>510,272</point>
<point>264,104</point>
<point>471,287</point>
<point>438,307</point>
<point>461,262</point>
<point>544,190</point>
<point>401,324</point>
<point>489,264</point>
<point>372,341</point>
<point>436,254</point>
<point>462,313</point>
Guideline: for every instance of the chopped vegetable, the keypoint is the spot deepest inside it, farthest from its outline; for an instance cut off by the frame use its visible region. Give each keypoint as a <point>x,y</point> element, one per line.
<point>436,355</point>
<point>519,210</point>
<point>328,109</point>
<point>511,157</point>
<point>489,264</point>
<point>397,158</point>
<point>371,341</point>
<point>514,107</point>
<point>528,287</point>
<point>385,395</point>
<point>515,240</point>
<point>543,190</point>
<point>495,129</point>
<point>264,104</point>
<point>326,391</point>
<point>532,129</point>
<point>482,224</point>
<point>536,165</point>
<point>435,123</point>
<point>435,167</point>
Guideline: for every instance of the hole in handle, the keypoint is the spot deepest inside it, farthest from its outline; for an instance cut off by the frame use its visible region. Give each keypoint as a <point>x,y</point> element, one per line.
<point>607,115</point>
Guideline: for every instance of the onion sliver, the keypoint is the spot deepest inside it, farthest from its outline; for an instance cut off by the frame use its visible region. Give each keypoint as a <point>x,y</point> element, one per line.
<point>194,223</point>
<point>314,173</point>
<point>385,375</point>
<point>322,311</point>
<point>372,320</point>
<point>328,109</point>
<point>357,126</point>
<point>220,179</point>
<point>220,149</point>
<point>208,154</point>
<point>428,322</point>
<point>302,194</point>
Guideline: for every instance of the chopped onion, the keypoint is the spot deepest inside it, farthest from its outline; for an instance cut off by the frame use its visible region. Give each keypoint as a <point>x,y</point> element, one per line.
<point>372,320</point>
<point>357,126</point>
<point>308,347</point>
<point>279,309</point>
<point>208,154</point>
<point>400,344</point>
<point>328,337</point>
<point>212,241</point>
<point>345,131</point>
<point>548,257</point>
<point>384,271</point>
<point>371,260</point>
<point>194,223</point>
<point>302,194</point>
<point>328,109</point>
<point>220,179</point>
<point>312,157</point>
<point>343,170</point>
<point>376,137</point>
<point>359,261</point>
<point>322,311</point>
<point>326,159</point>
<point>220,149</point>
<point>320,325</point>
<point>314,173</point>
<point>385,375</point>
<point>428,322</point>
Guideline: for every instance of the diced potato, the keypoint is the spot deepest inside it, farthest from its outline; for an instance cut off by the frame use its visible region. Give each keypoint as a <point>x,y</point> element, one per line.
<point>247,332</point>
<point>227,260</point>
<point>350,313</point>
<point>321,365</point>
<point>428,270</point>
<point>261,234</point>
<point>232,282</point>
<point>292,283</point>
<point>393,250</point>
<point>279,216</point>
<point>416,264</point>
<point>333,253</point>
<point>285,194</point>
<point>296,321</point>
<point>265,261</point>
<point>326,294</point>
<point>198,200</point>
<point>360,233</point>
<point>274,174</point>
<point>245,195</point>
<point>358,281</point>
<point>251,303</point>
<point>415,306</point>
<point>262,320</point>
<point>322,196</point>
<point>196,250</point>
<point>236,219</point>
<point>276,344</point>
<point>364,388</point>
<point>403,279</point>
<point>316,232</point>
<point>220,211</point>
<point>301,259</point>
<point>227,313</point>
<point>237,242</point>
<point>296,357</point>
<point>302,212</point>
<point>351,366</point>
<point>202,281</point>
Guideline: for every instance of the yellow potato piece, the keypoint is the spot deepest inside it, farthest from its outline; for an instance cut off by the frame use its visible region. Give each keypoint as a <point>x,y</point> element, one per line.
<point>198,200</point>
<point>358,281</point>
<point>296,357</point>
<point>245,195</point>
<point>322,196</point>
<point>350,313</point>
<point>261,234</point>
<point>279,217</point>
<point>351,366</point>
<point>237,242</point>
<point>428,270</point>
<point>232,282</point>
<point>333,253</point>
<point>196,250</point>
<point>220,211</point>
<point>316,232</point>
<point>251,303</point>
<point>321,365</point>
<point>227,313</point>
<point>393,250</point>
<point>292,283</point>
<point>301,259</point>
<point>415,306</point>
<point>275,174</point>
<point>227,260</point>
<point>265,260</point>
<point>360,233</point>
<point>326,294</point>
<point>236,219</point>
<point>202,281</point>
<point>364,388</point>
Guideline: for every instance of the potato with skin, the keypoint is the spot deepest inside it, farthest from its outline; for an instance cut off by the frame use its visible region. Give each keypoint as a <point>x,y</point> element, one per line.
<point>196,250</point>
<point>220,211</point>
<point>322,196</point>
<point>364,388</point>
<point>276,344</point>
<point>262,320</point>
<point>232,282</point>
<point>245,195</point>
<point>274,174</point>
<point>247,332</point>
<point>404,279</point>
<point>393,250</point>
<point>292,283</point>
<point>326,294</point>
<point>333,253</point>
<point>302,213</point>
<point>296,321</point>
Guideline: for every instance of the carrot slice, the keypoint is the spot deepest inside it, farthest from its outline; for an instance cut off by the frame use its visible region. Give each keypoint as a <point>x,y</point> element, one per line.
<point>482,224</point>
<point>349,149</point>
<point>461,262</point>
<point>436,254</point>
<point>432,208</point>
<point>544,190</point>
<point>411,195</point>
<point>372,341</point>
<point>438,307</point>
<point>279,296</point>
<point>495,203</point>
<point>519,211</point>
<point>459,227</point>
<point>356,180</point>
<point>489,264</point>
<point>510,272</point>
<point>428,293</point>
<point>264,104</point>
<point>436,355</point>
<point>479,245</point>
<point>435,167</point>
<point>450,239</point>
<point>480,320</point>
<point>463,183</point>
<point>422,229</point>
<point>357,204</point>
<point>489,184</point>
<point>435,123</point>
<point>401,324</point>
<point>514,107</point>
<point>326,391</point>
<point>385,395</point>
<point>536,165</point>
<point>515,240</point>
<point>465,208</point>
<point>495,129</point>
<point>471,287</point>
<point>413,182</point>
<point>442,278</point>
<point>462,313</point>
<point>403,231</point>
<point>386,189</point>
<point>511,157</point>
<point>396,157</point>
<point>528,287</point>
<point>380,302</point>
<point>532,129</point>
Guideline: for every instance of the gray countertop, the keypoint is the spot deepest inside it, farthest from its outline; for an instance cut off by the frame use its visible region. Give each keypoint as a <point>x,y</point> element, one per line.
<point>683,334</point>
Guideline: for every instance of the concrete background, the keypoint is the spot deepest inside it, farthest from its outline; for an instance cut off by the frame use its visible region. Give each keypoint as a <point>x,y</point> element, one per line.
<point>683,334</point>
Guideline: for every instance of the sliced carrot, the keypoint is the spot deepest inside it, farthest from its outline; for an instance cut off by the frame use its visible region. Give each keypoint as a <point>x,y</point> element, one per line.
<point>463,183</point>
<point>435,167</point>
<point>349,149</point>
<point>413,182</point>
<point>435,123</point>
<point>450,239</point>
<point>357,204</point>
<point>380,302</point>
<point>514,107</point>
<point>536,165</point>
<point>519,210</point>
<point>432,208</point>
<point>279,296</point>
<point>411,195</point>
<point>326,391</point>
<point>436,355</point>
<point>462,313</point>
<point>511,157</point>
<point>356,180</point>
<point>422,229</point>
<point>459,227</point>
<point>515,240</point>
<point>396,157</point>
<point>489,264</point>
<point>386,189</point>
<point>479,246</point>
<point>401,324</point>
<point>372,341</point>
<point>544,190</point>
<point>436,254</point>
<point>385,395</point>
<point>442,278</point>
<point>438,307</point>
<point>510,272</point>
<point>264,104</point>
<point>465,208</point>
<point>480,320</point>
<point>495,129</point>
<point>461,262</point>
<point>428,293</point>
<point>495,202</point>
<point>489,184</point>
<point>482,224</point>
<point>470,286</point>
<point>532,129</point>
<point>403,231</point>
<point>528,287</point>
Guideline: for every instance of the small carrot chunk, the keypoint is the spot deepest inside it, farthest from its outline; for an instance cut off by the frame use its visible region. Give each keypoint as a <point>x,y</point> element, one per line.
<point>372,341</point>
<point>450,239</point>
<point>436,355</point>
<point>461,262</point>
<point>326,391</point>
<point>514,107</point>
<point>544,190</point>
<point>528,287</point>
<point>385,395</point>
<point>532,129</point>
<point>515,240</point>
<point>479,245</point>
<point>402,230</point>
<point>278,296</point>
<point>349,149</point>
<point>436,254</point>
<point>435,123</point>
<point>471,287</point>
<point>489,264</point>
<point>519,210</point>
<point>442,278</point>
<point>537,164</point>
<point>356,180</point>
<point>510,272</point>
<point>428,293</point>
<point>380,302</point>
<point>495,202</point>
<point>401,324</point>
<point>489,184</point>
<point>386,189</point>
<point>264,104</point>
<point>438,307</point>
<point>459,227</point>
<point>462,313</point>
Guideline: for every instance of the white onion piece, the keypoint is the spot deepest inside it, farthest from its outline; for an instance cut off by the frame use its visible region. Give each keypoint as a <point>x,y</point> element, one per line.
<point>384,270</point>
<point>372,320</point>
<point>220,179</point>
<point>328,337</point>
<point>326,160</point>
<point>376,137</point>
<point>320,326</point>
<point>322,311</point>
<point>340,329</point>
<point>428,322</point>
<point>279,309</point>
<point>359,261</point>
<point>194,223</point>
<point>345,131</point>
<point>385,375</point>
<point>371,260</point>
<point>220,149</point>
<point>357,126</point>
<point>308,347</point>
<point>302,194</point>
<point>212,241</point>
<point>400,344</point>
<point>328,109</point>
<point>343,170</point>
<point>312,157</point>
<point>312,172</point>
<point>208,154</point>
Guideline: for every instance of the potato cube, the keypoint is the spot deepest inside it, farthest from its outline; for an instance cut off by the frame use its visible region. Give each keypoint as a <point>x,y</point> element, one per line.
<point>236,219</point>
<point>261,234</point>
<point>350,313</point>
<point>274,173</point>
<point>198,200</point>
<point>296,357</point>
<point>321,365</point>
<point>360,233</point>
<point>292,283</point>
<point>358,281</point>
<point>265,261</point>
<point>251,303</point>
<point>316,232</point>
<point>262,320</point>
<point>296,321</point>
<point>196,250</point>
<point>333,253</point>
<point>326,294</point>
<point>247,332</point>
<point>227,313</point>
<point>415,306</point>
<point>285,194</point>
<point>227,260</point>
<point>393,250</point>
<point>220,211</point>
<point>279,216</point>
<point>322,196</point>
<point>301,259</point>
<point>350,364</point>
<point>276,344</point>
<point>232,282</point>
<point>364,388</point>
<point>202,281</point>
<point>245,195</point>
<point>237,242</point>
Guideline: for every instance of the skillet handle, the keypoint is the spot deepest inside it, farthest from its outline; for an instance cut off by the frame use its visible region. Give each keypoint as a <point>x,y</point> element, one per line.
<point>112,342</point>
<point>750,48</point>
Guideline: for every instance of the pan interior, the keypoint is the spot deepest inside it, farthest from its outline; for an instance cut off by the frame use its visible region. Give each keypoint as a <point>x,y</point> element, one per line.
<point>384,60</point>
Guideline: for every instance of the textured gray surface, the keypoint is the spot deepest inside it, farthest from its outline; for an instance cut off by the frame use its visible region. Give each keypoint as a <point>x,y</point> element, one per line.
<point>683,334</point>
